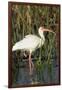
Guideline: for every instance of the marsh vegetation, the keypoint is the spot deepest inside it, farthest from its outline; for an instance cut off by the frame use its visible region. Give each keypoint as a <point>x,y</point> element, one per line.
<point>26,19</point>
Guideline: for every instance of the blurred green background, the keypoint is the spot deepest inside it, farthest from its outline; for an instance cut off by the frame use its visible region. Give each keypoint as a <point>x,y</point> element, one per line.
<point>26,19</point>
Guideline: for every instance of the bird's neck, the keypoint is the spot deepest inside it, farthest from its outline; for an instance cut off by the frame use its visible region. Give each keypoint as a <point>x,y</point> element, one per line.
<point>41,34</point>
<point>42,37</point>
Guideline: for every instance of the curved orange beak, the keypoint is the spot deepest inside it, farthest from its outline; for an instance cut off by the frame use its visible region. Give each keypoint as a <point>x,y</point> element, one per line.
<point>47,30</point>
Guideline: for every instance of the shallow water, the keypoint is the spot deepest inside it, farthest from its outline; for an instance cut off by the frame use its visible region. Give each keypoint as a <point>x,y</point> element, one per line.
<point>45,76</point>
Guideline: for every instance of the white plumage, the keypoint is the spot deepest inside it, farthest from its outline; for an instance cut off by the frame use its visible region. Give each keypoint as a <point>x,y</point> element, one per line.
<point>31,43</point>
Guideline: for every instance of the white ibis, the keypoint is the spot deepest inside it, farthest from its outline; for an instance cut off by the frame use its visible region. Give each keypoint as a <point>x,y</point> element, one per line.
<point>31,43</point>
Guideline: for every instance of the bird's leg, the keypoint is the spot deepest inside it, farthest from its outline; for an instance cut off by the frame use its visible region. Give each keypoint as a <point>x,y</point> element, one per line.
<point>30,63</point>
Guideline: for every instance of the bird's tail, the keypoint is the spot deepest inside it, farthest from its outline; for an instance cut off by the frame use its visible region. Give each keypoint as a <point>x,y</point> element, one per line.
<point>15,47</point>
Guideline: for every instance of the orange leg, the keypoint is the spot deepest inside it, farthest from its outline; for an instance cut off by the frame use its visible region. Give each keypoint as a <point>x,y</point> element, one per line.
<point>31,65</point>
